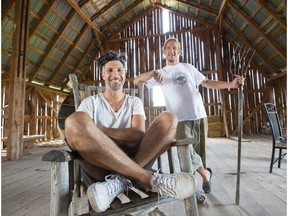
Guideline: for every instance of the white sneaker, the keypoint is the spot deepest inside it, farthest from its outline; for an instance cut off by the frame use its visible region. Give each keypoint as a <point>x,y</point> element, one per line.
<point>101,194</point>
<point>177,185</point>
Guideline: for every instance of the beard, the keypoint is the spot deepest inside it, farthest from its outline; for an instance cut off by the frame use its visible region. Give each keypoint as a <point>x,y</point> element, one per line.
<point>116,83</point>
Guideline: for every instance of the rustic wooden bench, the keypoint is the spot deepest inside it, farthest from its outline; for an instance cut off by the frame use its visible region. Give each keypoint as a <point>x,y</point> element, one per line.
<point>28,141</point>
<point>68,190</point>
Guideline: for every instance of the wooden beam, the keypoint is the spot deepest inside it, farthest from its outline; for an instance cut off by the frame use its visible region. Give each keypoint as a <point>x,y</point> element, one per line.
<point>222,10</point>
<point>18,76</point>
<point>6,10</point>
<point>53,44</point>
<point>257,109</point>
<point>124,13</point>
<point>67,54</point>
<point>271,11</point>
<point>220,73</point>
<point>43,15</point>
<point>201,29</point>
<point>248,43</point>
<point>87,19</point>
<point>252,25</point>
<point>46,100</point>
<point>105,9</point>
<point>197,6</point>
<point>47,89</point>
<point>277,76</point>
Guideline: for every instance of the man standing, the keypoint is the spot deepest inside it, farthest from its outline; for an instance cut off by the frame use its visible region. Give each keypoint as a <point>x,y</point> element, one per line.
<point>179,83</point>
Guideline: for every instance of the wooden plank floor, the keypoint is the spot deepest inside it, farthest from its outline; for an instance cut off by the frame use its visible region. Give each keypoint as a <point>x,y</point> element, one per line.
<point>26,183</point>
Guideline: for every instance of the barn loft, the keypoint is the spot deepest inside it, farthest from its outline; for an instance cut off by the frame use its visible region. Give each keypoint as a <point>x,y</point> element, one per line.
<point>44,41</point>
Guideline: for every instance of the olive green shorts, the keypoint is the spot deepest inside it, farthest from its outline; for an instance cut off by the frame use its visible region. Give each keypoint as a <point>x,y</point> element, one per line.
<point>195,129</point>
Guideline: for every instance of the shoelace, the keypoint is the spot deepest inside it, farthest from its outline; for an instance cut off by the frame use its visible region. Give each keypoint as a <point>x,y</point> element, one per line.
<point>115,183</point>
<point>164,183</point>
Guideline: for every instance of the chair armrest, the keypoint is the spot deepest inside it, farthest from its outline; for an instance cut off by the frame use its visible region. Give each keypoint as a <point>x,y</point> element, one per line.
<point>184,142</point>
<point>59,156</point>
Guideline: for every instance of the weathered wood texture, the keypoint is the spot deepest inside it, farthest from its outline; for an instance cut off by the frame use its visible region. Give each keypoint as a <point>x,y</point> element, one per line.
<point>26,183</point>
<point>198,44</point>
<point>40,113</point>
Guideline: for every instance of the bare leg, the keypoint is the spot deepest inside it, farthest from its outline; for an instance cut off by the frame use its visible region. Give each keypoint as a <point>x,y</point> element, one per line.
<point>98,149</point>
<point>157,139</point>
<point>204,174</point>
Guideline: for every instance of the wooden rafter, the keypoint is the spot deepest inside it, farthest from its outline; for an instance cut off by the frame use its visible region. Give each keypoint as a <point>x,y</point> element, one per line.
<point>7,9</point>
<point>123,14</point>
<point>240,35</point>
<point>275,15</point>
<point>252,25</point>
<point>201,29</point>
<point>183,15</point>
<point>45,12</point>
<point>104,10</point>
<point>222,10</point>
<point>53,44</point>
<point>87,19</point>
<point>67,54</point>
<point>90,45</point>
<point>198,7</point>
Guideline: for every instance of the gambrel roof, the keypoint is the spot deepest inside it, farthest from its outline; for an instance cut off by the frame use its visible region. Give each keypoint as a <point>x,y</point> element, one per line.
<point>65,36</point>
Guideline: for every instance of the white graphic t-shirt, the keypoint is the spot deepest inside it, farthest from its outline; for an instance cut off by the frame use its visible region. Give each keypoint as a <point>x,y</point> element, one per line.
<point>180,90</point>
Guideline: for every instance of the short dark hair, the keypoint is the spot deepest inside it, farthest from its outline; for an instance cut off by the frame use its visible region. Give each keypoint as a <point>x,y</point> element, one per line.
<point>111,56</point>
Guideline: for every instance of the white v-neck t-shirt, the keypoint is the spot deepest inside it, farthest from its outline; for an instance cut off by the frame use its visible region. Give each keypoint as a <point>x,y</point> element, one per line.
<point>180,90</point>
<point>102,113</point>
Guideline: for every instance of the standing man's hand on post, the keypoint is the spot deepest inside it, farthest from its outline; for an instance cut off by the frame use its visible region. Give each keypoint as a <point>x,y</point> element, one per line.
<point>239,80</point>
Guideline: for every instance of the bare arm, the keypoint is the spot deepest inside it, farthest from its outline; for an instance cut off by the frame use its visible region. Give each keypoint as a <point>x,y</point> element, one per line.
<point>127,136</point>
<point>148,75</point>
<point>222,84</point>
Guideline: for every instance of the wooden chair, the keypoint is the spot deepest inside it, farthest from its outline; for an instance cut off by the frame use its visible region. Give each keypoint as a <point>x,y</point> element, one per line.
<point>68,186</point>
<point>278,141</point>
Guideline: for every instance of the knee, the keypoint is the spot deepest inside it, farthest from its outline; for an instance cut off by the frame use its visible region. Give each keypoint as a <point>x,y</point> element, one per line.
<point>76,121</point>
<point>168,119</point>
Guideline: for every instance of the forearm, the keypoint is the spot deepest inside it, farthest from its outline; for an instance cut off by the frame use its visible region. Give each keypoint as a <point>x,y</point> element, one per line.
<point>124,134</point>
<point>218,84</point>
<point>143,77</point>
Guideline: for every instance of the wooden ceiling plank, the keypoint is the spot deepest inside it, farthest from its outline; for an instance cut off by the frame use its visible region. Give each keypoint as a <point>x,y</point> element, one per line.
<point>183,15</point>
<point>281,53</point>
<point>90,45</point>
<point>53,44</point>
<point>67,54</point>
<point>86,18</point>
<point>41,18</point>
<point>222,10</point>
<point>82,3</point>
<point>248,43</point>
<point>123,14</point>
<point>206,10</point>
<point>7,9</point>
<point>272,12</point>
<point>104,10</point>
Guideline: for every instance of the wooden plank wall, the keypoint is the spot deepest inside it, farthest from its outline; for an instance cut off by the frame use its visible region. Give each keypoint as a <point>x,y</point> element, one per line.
<point>41,111</point>
<point>143,41</point>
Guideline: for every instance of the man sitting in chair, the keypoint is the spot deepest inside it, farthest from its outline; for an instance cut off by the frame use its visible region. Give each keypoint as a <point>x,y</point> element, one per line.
<point>108,131</point>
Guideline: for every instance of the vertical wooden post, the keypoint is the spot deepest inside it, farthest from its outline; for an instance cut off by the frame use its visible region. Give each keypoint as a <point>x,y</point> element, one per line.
<point>220,74</point>
<point>18,76</point>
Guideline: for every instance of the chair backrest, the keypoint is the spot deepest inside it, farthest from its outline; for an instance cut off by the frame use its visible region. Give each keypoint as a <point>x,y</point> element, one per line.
<point>81,91</point>
<point>273,119</point>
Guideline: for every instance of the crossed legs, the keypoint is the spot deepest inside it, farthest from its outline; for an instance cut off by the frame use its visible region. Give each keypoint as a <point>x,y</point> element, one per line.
<point>99,150</point>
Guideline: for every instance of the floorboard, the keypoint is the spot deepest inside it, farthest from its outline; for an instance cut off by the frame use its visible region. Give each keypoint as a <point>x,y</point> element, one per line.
<point>26,183</point>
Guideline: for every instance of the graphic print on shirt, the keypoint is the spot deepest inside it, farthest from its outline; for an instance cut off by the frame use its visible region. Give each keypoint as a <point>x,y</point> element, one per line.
<point>179,78</point>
